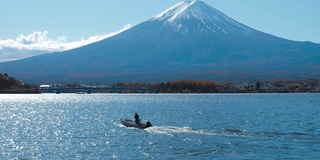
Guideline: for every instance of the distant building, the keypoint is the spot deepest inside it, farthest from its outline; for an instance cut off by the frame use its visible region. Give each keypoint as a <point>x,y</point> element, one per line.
<point>44,86</point>
<point>317,88</point>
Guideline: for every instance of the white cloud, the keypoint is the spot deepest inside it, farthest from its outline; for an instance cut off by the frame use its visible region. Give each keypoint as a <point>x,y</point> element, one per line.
<point>38,43</point>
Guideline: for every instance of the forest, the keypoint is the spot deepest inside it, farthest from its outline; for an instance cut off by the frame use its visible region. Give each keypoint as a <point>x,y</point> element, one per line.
<point>10,84</point>
<point>186,86</point>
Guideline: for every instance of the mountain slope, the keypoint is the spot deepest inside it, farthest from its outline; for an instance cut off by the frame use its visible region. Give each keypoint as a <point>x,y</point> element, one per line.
<point>190,40</point>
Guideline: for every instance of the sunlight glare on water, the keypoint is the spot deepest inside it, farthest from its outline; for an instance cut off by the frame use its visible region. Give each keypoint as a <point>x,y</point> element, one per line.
<point>185,126</point>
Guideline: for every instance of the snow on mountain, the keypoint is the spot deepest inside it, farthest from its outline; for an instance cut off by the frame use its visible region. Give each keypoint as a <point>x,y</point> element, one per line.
<point>174,11</point>
<point>200,17</point>
<point>190,40</point>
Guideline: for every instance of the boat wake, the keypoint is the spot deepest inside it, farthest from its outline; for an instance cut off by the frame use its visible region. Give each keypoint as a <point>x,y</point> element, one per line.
<point>171,130</point>
<point>235,133</point>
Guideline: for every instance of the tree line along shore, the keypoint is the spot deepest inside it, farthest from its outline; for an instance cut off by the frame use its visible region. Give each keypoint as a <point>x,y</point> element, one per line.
<point>205,86</point>
<point>12,85</point>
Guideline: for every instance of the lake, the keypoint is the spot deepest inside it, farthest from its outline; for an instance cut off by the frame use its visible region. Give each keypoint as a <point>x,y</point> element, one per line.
<point>185,126</point>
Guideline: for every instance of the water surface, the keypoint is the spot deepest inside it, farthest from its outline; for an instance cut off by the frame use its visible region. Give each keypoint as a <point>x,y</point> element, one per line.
<point>185,126</point>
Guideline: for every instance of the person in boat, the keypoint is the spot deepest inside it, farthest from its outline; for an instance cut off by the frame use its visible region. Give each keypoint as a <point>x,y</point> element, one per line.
<point>137,119</point>
<point>148,124</point>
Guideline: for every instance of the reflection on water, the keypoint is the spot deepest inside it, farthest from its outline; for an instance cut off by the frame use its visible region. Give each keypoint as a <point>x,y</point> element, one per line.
<point>223,126</point>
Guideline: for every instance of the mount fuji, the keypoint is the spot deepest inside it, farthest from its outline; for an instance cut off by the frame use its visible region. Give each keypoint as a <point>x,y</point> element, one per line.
<point>190,40</point>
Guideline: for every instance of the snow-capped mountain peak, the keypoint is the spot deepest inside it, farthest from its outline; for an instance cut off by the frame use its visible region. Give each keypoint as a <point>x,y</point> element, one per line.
<point>203,17</point>
<point>173,12</point>
<point>190,40</point>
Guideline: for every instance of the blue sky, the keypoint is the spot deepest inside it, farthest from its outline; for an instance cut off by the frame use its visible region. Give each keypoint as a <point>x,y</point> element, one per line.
<point>73,20</point>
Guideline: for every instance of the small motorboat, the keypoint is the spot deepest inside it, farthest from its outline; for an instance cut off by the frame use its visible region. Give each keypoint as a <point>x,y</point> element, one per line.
<point>132,123</point>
